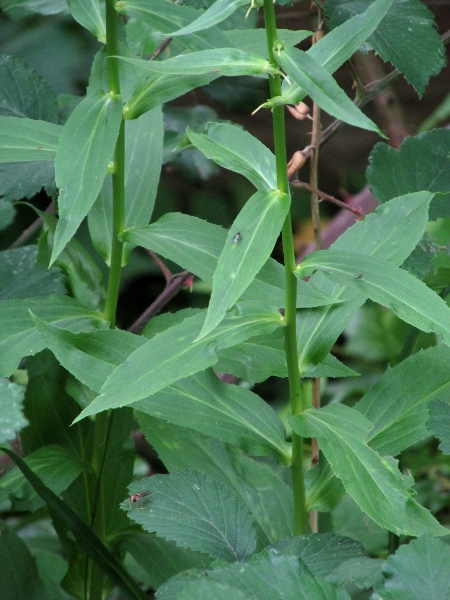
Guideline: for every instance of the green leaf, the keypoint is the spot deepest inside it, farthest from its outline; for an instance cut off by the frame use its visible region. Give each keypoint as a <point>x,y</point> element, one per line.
<point>174,354</point>
<point>418,52</point>
<point>340,43</point>
<point>397,404</point>
<point>23,93</point>
<point>21,277</point>
<point>248,246</point>
<point>197,513</point>
<point>18,335</point>
<point>358,575</point>
<point>7,212</point>
<point>91,15</point>
<point>26,179</point>
<point>82,533</point>
<point>143,159</point>
<point>419,164</point>
<point>84,152</point>
<point>12,419</point>
<point>227,412</point>
<point>406,296</point>
<point>23,140</point>
<point>391,232</point>
<point>196,245</point>
<point>254,40</point>
<point>307,73</point>
<point>23,8</point>
<point>323,488</point>
<point>159,89</point>
<point>375,483</point>
<point>417,570</point>
<point>206,588</point>
<point>56,467</point>
<point>439,424</point>
<point>237,150</point>
<point>218,12</point>
<point>18,570</point>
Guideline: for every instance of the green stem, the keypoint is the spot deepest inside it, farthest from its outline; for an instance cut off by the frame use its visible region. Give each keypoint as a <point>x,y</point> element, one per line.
<point>290,336</point>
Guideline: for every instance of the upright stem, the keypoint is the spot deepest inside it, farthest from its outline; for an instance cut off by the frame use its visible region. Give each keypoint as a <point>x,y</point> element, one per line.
<point>290,338</point>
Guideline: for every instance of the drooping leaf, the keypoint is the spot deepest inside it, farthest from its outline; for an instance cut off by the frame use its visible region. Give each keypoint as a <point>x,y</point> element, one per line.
<point>306,72</point>
<point>197,513</point>
<point>419,164</point>
<point>406,296</point>
<point>418,52</point>
<point>397,404</point>
<point>18,335</point>
<point>12,419</point>
<point>84,151</point>
<point>248,246</point>
<point>439,423</point>
<point>417,570</point>
<point>218,12</point>
<point>174,354</point>
<point>374,482</point>
<point>91,15</point>
<point>23,140</point>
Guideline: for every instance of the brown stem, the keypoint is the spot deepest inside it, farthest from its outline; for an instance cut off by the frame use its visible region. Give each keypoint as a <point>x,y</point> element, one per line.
<point>28,232</point>
<point>165,271</point>
<point>295,183</point>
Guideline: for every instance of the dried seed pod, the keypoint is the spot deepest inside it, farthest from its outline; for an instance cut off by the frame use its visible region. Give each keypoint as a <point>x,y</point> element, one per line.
<point>300,111</point>
<point>297,161</point>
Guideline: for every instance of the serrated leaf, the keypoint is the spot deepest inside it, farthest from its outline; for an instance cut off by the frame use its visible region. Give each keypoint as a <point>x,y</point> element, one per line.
<point>26,179</point>
<point>306,72</point>
<point>375,483</point>
<point>197,513</point>
<point>417,570</point>
<point>18,335</point>
<point>439,423</point>
<point>248,246</point>
<point>417,52</point>
<point>91,15</point>
<point>218,12</point>
<point>397,404</point>
<point>174,354</point>
<point>406,296</point>
<point>84,151</point>
<point>419,164</point>
<point>23,93</point>
<point>23,140</point>
<point>11,419</point>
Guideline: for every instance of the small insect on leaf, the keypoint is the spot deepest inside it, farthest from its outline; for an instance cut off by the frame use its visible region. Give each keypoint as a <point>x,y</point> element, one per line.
<point>237,236</point>
<point>359,276</point>
<point>136,499</point>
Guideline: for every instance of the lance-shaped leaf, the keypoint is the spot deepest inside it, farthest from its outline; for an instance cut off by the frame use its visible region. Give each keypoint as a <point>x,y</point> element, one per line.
<point>23,140</point>
<point>174,354</point>
<point>254,40</point>
<point>226,61</point>
<point>91,15</point>
<point>406,296</point>
<point>397,404</point>
<point>374,482</point>
<point>197,513</point>
<point>249,244</point>
<point>218,12</point>
<point>85,149</point>
<point>307,72</point>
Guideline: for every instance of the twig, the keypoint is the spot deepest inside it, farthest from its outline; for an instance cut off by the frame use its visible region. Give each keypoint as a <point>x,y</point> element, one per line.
<point>323,196</point>
<point>28,232</point>
<point>165,271</point>
<point>163,45</point>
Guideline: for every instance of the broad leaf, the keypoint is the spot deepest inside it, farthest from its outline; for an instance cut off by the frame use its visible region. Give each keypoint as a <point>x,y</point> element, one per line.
<point>419,164</point>
<point>307,73</point>
<point>418,52</point>
<point>26,179</point>
<point>23,140</point>
<point>406,296</point>
<point>84,152</point>
<point>375,483</point>
<point>12,419</point>
<point>248,246</point>
<point>197,513</point>
<point>18,335</point>
<point>439,423</point>
<point>417,570</point>
<point>91,15</point>
<point>218,12</point>
<point>239,151</point>
<point>397,404</point>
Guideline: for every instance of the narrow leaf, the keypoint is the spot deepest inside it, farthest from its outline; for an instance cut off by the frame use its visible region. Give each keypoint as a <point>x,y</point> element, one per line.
<point>406,296</point>
<point>307,72</point>
<point>375,483</point>
<point>197,513</point>
<point>23,140</point>
<point>218,12</point>
<point>85,149</point>
<point>248,246</point>
<point>91,15</point>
